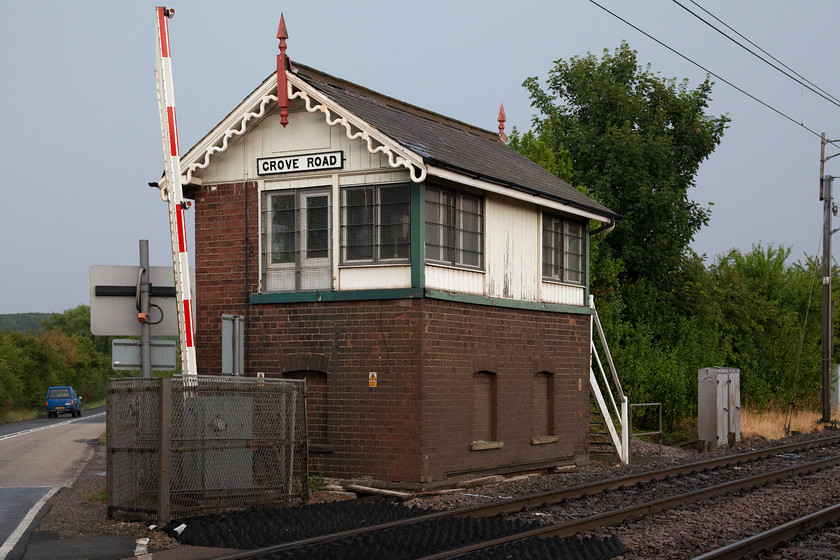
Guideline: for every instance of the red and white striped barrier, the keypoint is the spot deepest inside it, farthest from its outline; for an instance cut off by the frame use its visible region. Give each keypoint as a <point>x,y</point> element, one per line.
<point>174,195</point>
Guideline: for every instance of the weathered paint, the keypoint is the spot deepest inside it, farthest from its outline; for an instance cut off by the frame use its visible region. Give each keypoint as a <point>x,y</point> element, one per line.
<point>564,294</point>
<point>374,277</point>
<point>512,257</point>
<point>452,279</point>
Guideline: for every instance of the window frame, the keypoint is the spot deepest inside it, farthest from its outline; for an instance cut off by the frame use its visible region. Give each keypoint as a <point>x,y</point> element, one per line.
<point>303,235</point>
<point>377,224</point>
<point>451,223</point>
<point>559,251</point>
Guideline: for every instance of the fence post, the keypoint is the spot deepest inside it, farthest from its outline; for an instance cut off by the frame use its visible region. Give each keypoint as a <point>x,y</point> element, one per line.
<point>625,431</point>
<point>165,452</point>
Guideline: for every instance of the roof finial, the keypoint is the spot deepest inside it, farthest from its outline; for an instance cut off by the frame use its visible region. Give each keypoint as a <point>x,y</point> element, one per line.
<point>502,120</point>
<point>282,64</point>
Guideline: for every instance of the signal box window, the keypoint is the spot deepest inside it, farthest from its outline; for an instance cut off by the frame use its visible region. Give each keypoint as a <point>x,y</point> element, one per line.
<point>296,240</point>
<point>563,249</point>
<point>375,224</point>
<point>454,228</point>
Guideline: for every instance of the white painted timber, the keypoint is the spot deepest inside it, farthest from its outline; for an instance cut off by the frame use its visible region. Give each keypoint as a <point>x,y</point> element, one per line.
<point>512,248</point>
<point>566,294</point>
<point>300,183</point>
<point>374,178</point>
<point>487,186</point>
<point>374,277</point>
<point>454,280</point>
<point>307,133</point>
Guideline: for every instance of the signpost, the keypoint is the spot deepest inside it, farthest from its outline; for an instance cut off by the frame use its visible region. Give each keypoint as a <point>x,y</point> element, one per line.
<point>134,301</point>
<point>126,355</point>
<point>113,301</point>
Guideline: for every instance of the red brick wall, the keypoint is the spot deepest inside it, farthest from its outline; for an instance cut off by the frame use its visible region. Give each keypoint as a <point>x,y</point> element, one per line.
<point>514,344</point>
<point>417,425</point>
<point>371,431</point>
<point>224,232</point>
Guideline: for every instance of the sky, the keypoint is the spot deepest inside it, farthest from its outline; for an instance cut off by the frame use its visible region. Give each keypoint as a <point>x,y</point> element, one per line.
<point>81,132</point>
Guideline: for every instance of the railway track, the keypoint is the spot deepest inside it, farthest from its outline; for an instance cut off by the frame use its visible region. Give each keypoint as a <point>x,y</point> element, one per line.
<point>779,535</point>
<point>566,512</point>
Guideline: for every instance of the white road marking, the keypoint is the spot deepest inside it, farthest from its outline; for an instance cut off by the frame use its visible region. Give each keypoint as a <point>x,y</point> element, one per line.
<point>141,547</point>
<point>24,524</point>
<point>29,431</point>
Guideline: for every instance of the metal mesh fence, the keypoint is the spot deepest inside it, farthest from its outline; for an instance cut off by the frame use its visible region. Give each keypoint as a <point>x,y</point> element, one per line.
<point>185,447</point>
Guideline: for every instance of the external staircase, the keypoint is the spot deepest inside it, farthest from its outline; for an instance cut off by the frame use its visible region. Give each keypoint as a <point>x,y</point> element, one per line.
<point>609,433</point>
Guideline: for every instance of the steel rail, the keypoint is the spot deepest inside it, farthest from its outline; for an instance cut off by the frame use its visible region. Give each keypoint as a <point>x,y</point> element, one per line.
<point>513,505</point>
<point>570,528</point>
<point>554,496</point>
<point>775,536</point>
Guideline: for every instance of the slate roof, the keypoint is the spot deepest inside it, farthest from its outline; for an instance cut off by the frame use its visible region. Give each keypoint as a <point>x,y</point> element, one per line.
<point>447,143</point>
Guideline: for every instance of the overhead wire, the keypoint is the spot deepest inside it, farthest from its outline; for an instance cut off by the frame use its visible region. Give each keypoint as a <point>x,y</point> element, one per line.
<point>777,111</point>
<point>788,72</point>
<point>800,76</point>
<point>711,73</point>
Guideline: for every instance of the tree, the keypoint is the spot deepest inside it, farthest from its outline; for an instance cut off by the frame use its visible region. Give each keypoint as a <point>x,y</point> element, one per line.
<point>63,352</point>
<point>771,322</point>
<point>541,149</point>
<point>636,141</point>
<point>76,322</point>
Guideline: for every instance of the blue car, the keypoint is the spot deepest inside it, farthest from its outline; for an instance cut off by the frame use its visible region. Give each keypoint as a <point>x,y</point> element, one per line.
<point>63,399</point>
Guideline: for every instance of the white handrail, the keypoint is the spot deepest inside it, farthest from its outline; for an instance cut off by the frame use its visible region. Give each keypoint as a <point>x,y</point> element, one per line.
<point>621,442</point>
<point>597,322</point>
<point>604,377</point>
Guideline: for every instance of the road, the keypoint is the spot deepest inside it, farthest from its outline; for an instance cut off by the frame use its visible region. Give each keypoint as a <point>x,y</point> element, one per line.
<point>37,458</point>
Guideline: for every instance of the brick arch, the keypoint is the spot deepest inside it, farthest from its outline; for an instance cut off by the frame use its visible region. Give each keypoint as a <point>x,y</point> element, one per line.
<point>543,364</point>
<point>485,363</point>
<point>305,361</point>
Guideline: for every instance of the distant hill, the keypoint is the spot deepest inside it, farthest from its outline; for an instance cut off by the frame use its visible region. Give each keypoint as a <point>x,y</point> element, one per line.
<point>22,321</point>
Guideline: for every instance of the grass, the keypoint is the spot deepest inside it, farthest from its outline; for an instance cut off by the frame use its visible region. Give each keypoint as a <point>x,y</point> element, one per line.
<point>20,414</point>
<point>770,423</point>
<point>98,496</point>
<point>29,413</point>
<point>316,482</point>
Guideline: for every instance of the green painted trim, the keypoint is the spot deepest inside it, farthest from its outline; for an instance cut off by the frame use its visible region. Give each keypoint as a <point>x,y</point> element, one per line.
<point>418,235</point>
<point>414,293</point>
<point>509,303</point>
<point>350,295</point>
<point>587,266</point>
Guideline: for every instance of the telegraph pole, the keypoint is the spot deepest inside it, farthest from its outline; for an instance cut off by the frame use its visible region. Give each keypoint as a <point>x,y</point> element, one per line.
<point>143,309</point>
<point>826,195</point>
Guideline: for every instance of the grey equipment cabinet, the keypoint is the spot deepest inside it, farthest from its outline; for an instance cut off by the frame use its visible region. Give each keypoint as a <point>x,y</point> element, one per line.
<point>718,406</point>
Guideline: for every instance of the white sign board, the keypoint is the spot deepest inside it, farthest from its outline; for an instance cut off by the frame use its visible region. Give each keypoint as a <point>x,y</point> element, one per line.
<point>299,163</point>
<point>113,303</point>
<point>125,355</point>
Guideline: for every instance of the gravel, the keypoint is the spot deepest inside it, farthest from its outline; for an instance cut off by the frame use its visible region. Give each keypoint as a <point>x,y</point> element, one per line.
<point>80,510</point>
